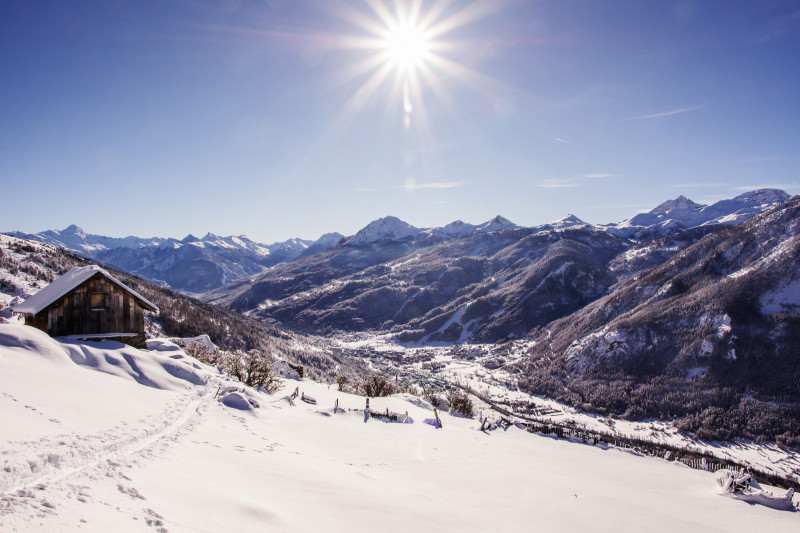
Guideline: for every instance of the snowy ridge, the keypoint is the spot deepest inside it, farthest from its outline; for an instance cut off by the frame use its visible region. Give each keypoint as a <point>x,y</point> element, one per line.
<point>76,239</point>
<point>394,230</point>
<point>682,213</point>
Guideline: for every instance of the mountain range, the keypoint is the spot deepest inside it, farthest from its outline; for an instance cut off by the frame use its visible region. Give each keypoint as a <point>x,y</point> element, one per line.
<point>198,265</point>
<point>427,286</point>
<point>190,265</point>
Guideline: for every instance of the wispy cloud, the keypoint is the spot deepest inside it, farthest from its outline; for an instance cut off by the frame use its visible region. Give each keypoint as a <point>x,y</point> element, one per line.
<point>434,185</point>
<point>412,186</point>
<point>668,113</point>
<point>554,183</point>
<point>559,139</point>
<point>576,181</point>
<point>600,176</point>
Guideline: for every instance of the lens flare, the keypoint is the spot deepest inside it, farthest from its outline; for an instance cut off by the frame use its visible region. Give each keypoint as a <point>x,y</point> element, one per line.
<point>407,46</point>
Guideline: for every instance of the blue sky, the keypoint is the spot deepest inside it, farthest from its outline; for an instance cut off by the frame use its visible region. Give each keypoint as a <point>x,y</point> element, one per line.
<point>286,118</point>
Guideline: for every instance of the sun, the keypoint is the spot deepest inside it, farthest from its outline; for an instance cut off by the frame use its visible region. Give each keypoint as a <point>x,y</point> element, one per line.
<point>407,46</point>
<point>407,50</point>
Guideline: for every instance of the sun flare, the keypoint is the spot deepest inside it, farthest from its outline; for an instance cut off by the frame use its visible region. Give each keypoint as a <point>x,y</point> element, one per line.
<point>406,46</point>
<point>410,54</point>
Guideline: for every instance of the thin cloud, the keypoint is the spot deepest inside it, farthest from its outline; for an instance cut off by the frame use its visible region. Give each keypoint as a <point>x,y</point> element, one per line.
<point>559,139</point>
<point>556,183</point>
<point>601,176</point>
<point>414,186</point>
<point>436,185</point>
<point>668,113</point>
<point>564,183</point>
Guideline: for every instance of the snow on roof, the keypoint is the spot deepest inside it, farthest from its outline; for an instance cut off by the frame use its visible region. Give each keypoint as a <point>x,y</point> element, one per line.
<point>68,282</point>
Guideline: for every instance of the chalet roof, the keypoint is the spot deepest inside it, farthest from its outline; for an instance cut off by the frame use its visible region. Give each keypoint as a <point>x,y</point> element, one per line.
<point>69,281</point>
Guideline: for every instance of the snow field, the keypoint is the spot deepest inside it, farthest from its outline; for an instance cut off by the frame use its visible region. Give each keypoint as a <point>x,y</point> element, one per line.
<point>189,463</point>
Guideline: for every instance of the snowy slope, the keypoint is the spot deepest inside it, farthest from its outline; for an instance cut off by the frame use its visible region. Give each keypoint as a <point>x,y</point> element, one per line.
<point>90,451</point>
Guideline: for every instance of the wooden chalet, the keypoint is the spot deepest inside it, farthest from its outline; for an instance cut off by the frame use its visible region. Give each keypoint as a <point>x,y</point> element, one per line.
<point>88,303</point>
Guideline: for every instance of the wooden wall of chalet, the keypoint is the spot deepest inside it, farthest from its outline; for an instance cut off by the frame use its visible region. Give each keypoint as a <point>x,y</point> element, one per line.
<point>97,306</point>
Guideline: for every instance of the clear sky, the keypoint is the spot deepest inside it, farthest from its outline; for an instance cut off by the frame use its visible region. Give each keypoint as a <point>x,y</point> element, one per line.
<point>292,118</point>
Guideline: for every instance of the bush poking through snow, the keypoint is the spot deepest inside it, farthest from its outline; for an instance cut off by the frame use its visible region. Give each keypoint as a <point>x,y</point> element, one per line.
<point>460,402</point>
<point>376,385</point>
<point>201,352</point>
<point>252,368</point>
<point>342,381</point>
<point>431,395</point>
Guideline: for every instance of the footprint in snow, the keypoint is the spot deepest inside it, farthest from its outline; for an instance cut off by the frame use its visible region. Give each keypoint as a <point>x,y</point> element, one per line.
<point>153,519</point>
<point>130,491</point>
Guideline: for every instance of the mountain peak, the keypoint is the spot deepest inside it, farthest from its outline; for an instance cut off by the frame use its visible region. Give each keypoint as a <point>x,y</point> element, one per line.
<point>570,219</point>
<point>190,238</point>
<point>73,229</point>
<point>763,196</point>
<point>386,228</point>
<point>329,239</point>
<point>681,203</point>
<point>496,224</point>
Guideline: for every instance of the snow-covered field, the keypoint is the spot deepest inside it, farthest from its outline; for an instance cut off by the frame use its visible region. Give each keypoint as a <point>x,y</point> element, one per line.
<point>499,386</point>
<point>101,437</point>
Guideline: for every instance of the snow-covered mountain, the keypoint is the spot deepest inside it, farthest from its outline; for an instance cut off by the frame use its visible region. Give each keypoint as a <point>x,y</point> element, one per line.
<point>392,229</point>
<point>192,265</point>
<point>498,223</point>
<point>75,239</point>
<point>569,221</point>
<point>696,324</point>
<point>197,265</point>
<point>681,213</point>
<point>465,283</point>
<point>388,228</point>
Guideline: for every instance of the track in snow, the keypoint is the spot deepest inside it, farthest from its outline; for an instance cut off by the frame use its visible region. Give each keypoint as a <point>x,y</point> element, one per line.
<point>49,463</point>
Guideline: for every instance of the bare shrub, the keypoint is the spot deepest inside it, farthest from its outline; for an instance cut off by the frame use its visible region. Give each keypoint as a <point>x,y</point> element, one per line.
<point>202,353</point>
<point>460,402</point>
<point>253,368</point>
<point>431,395</point>
<point>376,385</point>
<point>342,381</point>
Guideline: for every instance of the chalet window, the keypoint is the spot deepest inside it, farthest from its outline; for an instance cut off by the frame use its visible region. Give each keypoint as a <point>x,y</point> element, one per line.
<point>98,301</point>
